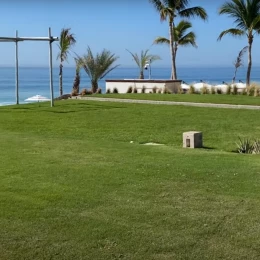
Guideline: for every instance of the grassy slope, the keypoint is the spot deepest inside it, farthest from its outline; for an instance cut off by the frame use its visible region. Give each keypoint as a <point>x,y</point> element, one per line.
<point>216,99</point>
<point>73,187</point>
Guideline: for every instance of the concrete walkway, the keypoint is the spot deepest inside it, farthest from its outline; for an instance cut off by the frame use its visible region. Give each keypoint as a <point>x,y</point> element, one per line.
<point>172,103</point>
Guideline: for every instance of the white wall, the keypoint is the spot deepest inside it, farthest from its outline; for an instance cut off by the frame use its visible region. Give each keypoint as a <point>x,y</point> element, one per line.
<point>122,87</point>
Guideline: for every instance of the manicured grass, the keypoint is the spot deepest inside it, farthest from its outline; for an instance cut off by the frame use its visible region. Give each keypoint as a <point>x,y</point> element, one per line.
<point>198,98</point>
<point>74,187</point>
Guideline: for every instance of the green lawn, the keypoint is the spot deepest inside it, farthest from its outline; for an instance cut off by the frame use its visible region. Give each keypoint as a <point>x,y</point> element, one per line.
<point>74,187</point>
<point>198,98</point>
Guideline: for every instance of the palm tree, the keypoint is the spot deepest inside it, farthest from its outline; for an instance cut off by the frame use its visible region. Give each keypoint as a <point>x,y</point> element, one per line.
<point>76,81</point>
<point>246,14</point>
<point>180,36</point>
<point>170,9</point>
<point>97,67</point>
<point>143,59</point>
<point>66,41</point>
<point>239,62</point>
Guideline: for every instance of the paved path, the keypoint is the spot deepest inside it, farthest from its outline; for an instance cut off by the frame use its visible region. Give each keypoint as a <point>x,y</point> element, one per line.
<point>172,103</point>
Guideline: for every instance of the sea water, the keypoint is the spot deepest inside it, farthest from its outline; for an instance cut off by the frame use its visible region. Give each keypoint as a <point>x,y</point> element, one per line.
<point>35,81</point>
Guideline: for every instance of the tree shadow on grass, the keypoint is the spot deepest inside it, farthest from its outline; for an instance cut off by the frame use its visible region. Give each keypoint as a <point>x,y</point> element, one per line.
<point>61,109</point>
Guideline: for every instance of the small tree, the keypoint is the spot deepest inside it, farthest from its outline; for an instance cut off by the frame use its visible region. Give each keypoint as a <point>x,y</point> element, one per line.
<point>239,62</point>
<point>97,67</point>
<point>143,59</point>
<point>76,81</point>
<point>66,41</point>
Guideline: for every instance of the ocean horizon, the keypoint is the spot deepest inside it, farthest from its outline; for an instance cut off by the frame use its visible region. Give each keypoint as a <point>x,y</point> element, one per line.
<point>35,80</point>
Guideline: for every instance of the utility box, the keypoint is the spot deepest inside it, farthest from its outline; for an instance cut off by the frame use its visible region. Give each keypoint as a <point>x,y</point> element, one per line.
<point>192,139</point>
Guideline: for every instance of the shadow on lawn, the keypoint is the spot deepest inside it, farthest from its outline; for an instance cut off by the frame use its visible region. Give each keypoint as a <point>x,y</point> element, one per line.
<point>61,108</point>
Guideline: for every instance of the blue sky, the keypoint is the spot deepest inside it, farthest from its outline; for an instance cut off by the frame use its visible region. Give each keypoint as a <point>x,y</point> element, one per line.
<point>115,25</point>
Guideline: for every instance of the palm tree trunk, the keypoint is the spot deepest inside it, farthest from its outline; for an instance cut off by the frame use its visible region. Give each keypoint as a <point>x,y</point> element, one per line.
<point>60,78</point>
<point>141,76</point>
<point>250,42</point>
<point>174,73</point>
<point>76,83</point>
<point>94,86</point>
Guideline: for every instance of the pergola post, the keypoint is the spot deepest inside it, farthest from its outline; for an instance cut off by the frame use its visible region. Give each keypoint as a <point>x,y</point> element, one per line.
<point>16,71</point>
<point>50,62</point>
<point>17,39</point>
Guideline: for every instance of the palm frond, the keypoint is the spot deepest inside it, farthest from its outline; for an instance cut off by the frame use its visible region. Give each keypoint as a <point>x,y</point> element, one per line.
<point>181,36</point>
<point>188,39</point>
<point>194,12</point>
<point>143,58</point>
<point>232,31</point>
<point>135,57</point>
<point>239,60</point>
<point>162,40</point>
<point>98,66</point>
<point>66,41</point>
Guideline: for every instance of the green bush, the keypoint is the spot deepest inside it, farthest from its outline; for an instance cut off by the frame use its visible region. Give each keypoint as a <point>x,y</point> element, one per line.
<point>129,90</point>
<point>108,91</point>
<point>154,89</point>
<point>115,91</point>
<point>135,90</point>
<point>235,90</point>
<point>219,91</point>
<point>213,90</point>
<point>204,90</point>
<point>192,90</point>
<point>143,89</point>
<point>229,89</point>
<point>251,91</point>
<point>99,91</point>
<point>248,147</point>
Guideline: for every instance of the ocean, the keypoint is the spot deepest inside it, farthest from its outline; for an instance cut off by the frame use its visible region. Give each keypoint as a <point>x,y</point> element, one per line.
<point>33,81</point>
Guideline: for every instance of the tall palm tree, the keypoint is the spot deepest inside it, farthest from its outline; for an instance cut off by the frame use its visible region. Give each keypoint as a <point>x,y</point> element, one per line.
<point>66,41</point>
<point>246,15</point>
<point>170,9</point>
<point>143,59</point>
<point>181,37</point>
<point>98,66</point>
<point>76,81</point>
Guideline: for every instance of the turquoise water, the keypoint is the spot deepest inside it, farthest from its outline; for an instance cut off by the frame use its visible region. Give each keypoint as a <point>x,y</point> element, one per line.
<point>33,81</point>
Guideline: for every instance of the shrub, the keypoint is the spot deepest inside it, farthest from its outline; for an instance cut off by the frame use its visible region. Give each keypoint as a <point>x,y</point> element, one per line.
<point>204,90</point>
<point>251,91</point>
<point>99,91</point>
<point>74,93</point>
<point>143,89</point>
<point>154,89</point>
<point>235,90</point>
<point>256,92</point>
<point>166,91</point>
<point>244,91</point>
<point>249,147</point>
<point>213,90</point>
<point>129,90</point>
<point>229,88</point>
<point>108,91</point>
<point>256,146</point>
<point>135,90</point>
<point>85,91</point>
<point>159,91</point>
<point>115,91</point>
<point>219,91</point>
<point>180,90</point>
<point>192,90</point>
<point>244,146</point>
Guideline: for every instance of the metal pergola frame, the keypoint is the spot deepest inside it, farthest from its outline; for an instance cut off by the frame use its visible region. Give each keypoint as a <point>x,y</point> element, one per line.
<point>17,39</point>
